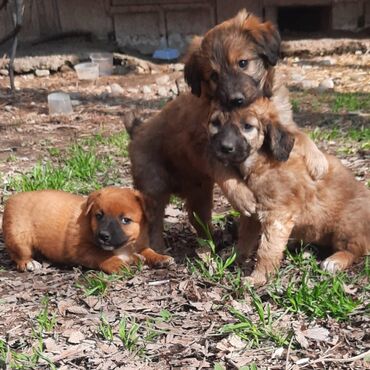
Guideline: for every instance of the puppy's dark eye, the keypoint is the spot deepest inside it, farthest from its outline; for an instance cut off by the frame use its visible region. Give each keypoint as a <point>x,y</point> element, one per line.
<point>216,123</point>
<point>125,221</point>
<point>247,127</point>
<point>99,215</point>
<point>214,76</point>
<point>243,63</point>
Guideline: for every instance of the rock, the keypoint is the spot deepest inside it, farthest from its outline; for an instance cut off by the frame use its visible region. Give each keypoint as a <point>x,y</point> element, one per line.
<point>162,91</point>
<point>4,72</point>
<point>146,89</point>
<point>116,90</point>
<point>42,72</point>
<point>327,84</point>
<point>178,67</point>
<point>65,68</point>
<point>296,77</point>
<point>308,84</point>
<point>132,90</point>
<point>162,80</point>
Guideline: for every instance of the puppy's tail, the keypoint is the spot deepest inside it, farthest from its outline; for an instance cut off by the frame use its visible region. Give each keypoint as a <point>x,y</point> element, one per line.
<point>131,122</point>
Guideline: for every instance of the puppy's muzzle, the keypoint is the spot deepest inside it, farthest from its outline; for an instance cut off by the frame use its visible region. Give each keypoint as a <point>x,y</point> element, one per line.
<point>109,235</point>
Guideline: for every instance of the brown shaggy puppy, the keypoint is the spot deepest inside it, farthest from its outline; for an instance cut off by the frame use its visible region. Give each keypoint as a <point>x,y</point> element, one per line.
<point>106,231</point>
<point>170,154</point>
<point>331,212</point>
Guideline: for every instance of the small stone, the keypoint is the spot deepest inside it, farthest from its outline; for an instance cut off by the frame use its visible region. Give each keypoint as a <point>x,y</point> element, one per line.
<point>42,72</point>
<point>162,91</point>
<point>132,90</point>
<point>146,89</point>
<point>296,77</point>
<point>178,67</point>
<point>327,84</point>
<point>116,90</point>
<point>309,84</point>
<point>358,52</point>
<point>4,72</point>
<point>162,80</point>
<point>75,102</point>
<point>65,68</point>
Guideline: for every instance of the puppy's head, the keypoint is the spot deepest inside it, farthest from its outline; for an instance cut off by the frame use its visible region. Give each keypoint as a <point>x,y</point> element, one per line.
<point>238,134</point>
<point>117,217</point>
<point>234,61</point>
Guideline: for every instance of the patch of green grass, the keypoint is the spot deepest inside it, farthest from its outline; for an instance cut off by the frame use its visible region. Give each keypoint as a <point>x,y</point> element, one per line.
<point>128,334</point>
<point>97,283</point>
<point>213,267</point>
<point>313,291</point>
<point>324,134</point>
<point>350,102</point>
<point>105,329</point>
<point>46,321</point>
<point>165,315</point>
<point>80,168</point>
<point>18,356</point>
<point>295,105</point>
<point>254,331</point>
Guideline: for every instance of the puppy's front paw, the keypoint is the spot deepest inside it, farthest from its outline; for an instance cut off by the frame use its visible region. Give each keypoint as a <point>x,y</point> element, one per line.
<point>331,265</point>
<point>164,262</point>
<point>317,164</point>
<point>33,265</point>
<point>113,265</point>
<point>256,279</point>
<point>242,199</point>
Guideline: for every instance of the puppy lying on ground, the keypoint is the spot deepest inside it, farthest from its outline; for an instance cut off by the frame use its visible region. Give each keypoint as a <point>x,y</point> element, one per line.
<point>106,231</point>
<point>331,212</point>
<point>232,65</point>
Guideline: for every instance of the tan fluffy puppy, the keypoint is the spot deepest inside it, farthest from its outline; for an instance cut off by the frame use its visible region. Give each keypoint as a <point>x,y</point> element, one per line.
<point>106,231</point>
<point>331,212</point>
<point>231,66</point>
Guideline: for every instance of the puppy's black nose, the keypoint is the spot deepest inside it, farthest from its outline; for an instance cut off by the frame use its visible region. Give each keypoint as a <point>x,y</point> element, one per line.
<point>104,236</point>
<point>227,148</point>
<point>237,100</point>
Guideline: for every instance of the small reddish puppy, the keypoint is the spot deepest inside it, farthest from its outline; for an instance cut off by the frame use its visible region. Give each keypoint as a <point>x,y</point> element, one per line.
<point>106,231</point>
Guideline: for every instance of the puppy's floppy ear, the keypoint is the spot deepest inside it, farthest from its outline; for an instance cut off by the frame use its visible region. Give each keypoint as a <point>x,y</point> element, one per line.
<point>266,37</point>
<point>192,69</point>
<point>278,141</point>
<point>91,199</point>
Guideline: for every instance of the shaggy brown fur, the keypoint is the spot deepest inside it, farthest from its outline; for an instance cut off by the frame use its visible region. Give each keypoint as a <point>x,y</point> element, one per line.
<point>331,212</point>
<point>170,153</point>
<point>106,231</point>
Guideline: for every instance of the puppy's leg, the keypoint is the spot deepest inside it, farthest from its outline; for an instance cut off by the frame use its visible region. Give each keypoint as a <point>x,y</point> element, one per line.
<point>153,259</point>
<point>97,259</point>
<point>338,261</point>
<point>248,237</point>
<point>274,238</point>
<point>234,189</point>
<point>199,201</point>
<point>155,211</point>
<point>20,251</point>
<point>316,162</point>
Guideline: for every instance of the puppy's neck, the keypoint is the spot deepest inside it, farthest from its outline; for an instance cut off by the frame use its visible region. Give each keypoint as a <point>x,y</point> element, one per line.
<point>246,167</point>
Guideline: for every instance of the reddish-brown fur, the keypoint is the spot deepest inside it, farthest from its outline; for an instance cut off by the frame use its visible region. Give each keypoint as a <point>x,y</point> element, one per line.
<point>331,212</point>
<point>61,227</point>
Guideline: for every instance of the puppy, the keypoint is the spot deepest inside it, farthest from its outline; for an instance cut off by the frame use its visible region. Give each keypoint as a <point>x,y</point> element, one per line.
<point>331,212</point>
<point>234,64</point>
<point>170,152</point>
<point>106,231</point>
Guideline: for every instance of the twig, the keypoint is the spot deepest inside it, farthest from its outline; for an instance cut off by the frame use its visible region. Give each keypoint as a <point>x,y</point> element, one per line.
<point>342,360</point>
<point>288,353</point>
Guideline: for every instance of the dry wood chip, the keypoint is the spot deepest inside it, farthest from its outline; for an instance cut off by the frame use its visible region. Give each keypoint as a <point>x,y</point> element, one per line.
<point>317,333</point>
<point>76,337</point>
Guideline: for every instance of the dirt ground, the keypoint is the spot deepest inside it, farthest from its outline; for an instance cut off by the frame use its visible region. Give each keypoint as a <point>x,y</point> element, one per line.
<point>180,314</point>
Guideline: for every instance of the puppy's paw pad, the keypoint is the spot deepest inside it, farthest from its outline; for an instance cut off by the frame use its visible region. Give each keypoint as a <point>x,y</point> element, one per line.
<point>33,265</point>
<point>331,266</point>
